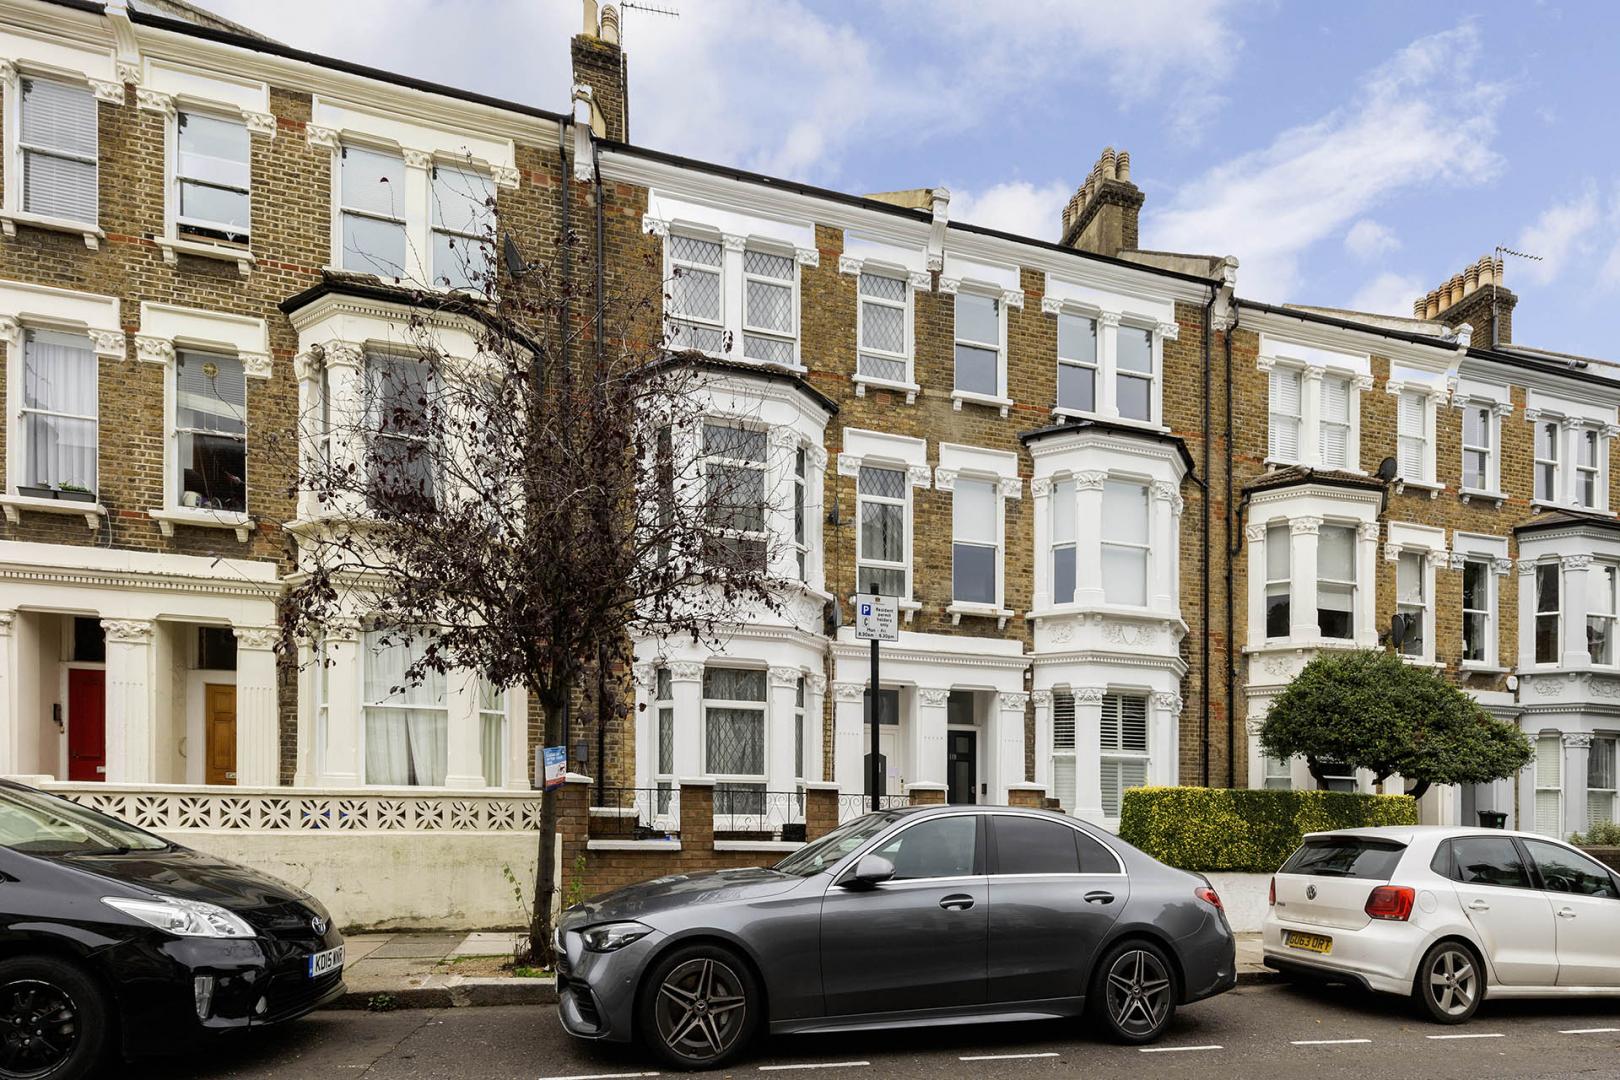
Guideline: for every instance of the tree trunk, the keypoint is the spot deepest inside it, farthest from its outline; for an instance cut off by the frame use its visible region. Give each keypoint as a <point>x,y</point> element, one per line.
<point>545,870</point>
<point>1419,790</point>
<point>1316,771</point>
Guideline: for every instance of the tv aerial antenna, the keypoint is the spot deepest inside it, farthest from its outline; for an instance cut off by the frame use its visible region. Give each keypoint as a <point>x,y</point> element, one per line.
<point>650,9</point>
<point>1496,283</point>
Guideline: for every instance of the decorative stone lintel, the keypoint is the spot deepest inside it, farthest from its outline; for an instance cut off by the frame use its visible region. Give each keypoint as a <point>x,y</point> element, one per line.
<point>128,631</point>
<point>256,637</point>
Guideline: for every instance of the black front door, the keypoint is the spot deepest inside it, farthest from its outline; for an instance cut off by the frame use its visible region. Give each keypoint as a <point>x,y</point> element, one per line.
<point>962,767</point>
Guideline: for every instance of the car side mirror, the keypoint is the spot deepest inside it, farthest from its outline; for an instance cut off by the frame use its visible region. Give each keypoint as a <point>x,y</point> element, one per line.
<point>871,871</point>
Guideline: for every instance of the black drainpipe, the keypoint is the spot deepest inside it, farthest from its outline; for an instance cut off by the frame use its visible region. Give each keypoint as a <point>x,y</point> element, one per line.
<point>601,651</point>
<point>1234,544</point>
<point>1203,555</point>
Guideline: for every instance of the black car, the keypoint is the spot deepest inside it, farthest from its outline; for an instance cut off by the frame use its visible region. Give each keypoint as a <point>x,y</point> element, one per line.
<point>921,916</point>
<point>113,940</point>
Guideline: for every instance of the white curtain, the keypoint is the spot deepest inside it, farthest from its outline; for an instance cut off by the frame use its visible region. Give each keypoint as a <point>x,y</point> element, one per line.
<point>59,410</point>
<point>388,756</point>
<point>407,726</point>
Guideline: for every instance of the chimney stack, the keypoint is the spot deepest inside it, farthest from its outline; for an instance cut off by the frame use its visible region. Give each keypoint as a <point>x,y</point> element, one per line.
<point>1101,217</point>
<point>599,63</point>
<point>1476,296</point>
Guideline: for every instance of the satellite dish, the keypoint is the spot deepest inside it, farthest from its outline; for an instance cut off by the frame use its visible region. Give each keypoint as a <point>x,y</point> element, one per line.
<point>1397,630</point>
<point>515,266</point>
<point>1387,469</point>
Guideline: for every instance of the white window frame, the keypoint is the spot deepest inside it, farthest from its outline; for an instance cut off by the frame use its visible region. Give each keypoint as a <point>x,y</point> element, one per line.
<point>174,222</point>
<point>1277,774</point>
<point>1328,380</point>
<point>1120,374</point>
<point>25,410</point>
<point>13,214</point>
<point>470,239</point>
<point>1491,552</point>
<point>801,511</point>
<point>1118,756</point>
<point>1353,582</point>
<point>364,652</point>
<point>674,266</point>
<point>1423,605</point>
<point>1274,413</point>
<point>1556,788</point>
<point>1609,745</point>
<point>1072,544</point>
<point>1111,315</point>
<point>1145,546</point>
<point>737,704</point>
<point>904,502</point>
<point>1554,495</point>
<point>1311,366</point>
<point>1603,581</point>
<point>733,324</point>
<point>1485,614</point>
<point>789,337</point>
<point>762,535</point>
<point>663,709</point>
<point>999,399</point>
<point>999,470</point>
<point>1556,614</point>
<point>1592,471</point>
<point>1426,544</point>
<point>502,714</point>
<point>401,217</point>
<point>907,308</point>
<point>1492,478</point>
<point>1095,367</point>
<point>373,430</point>
<point>1065,750</point>
<point>1275,530</point>
<point>1421,441</point>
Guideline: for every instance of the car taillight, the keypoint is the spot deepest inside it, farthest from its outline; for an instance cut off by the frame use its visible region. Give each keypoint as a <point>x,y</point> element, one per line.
<point>1393,902</point>
<point>1210,897</point>
<point>1271,894</point>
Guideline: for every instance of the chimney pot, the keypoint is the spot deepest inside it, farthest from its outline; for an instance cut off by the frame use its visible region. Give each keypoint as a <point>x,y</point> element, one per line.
<point>1107,163</point>
<point>610,24</point>
<point>1432,304</point>
<point>1418,307</point>
<point>1470,280</point>
<point>1124,166</point>
<point>590,18</point>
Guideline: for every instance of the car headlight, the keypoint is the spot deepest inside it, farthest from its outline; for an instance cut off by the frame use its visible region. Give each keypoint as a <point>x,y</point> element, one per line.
<point>183,918</point>
<point>611,936</point>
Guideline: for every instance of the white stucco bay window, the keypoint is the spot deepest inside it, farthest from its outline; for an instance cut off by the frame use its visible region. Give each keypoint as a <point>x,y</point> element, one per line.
<point>410,199</point>
<point>982,294</point>
<point>885,468</point>
<point>1482,561</point>
<point>55,340</point>
<point>978,481</point>
<point>731,278</point>
<point>212,358</point>
<point>1571,449</point>
<point>1313,403</point>
<point>1110,355</point>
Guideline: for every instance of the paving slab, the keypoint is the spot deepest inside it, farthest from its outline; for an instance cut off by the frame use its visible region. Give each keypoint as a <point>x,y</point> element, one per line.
<point>488,944</point>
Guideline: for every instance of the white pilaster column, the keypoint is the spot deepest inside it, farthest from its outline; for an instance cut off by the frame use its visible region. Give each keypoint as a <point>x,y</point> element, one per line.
<point>1577,749</point>
<point>1043,739</point>
<point>1527,615</point>
<point>464,756</point>
<point>1257,760</point>
<point>1302,602</point>
<point>645,680</point>
<point>130,706</point>
<point>779,487</point>
<point>1310,421</point>
<point>1576,570</point>
<point>1255,535</point>
<point>926,746</point>
<point>342,765</point>
<point>1162,554</point>
<point>519,758</point>
<point>1087,752</point>
<point>815,726</point>
<point>1524,816</point>
<point>258,717</point>
<point>1164,741</point>
<point>1088,500</point>
<point>1107,364</point>
<point>307,711</point>
<point>418,234</point>
<point>1008,764</point>
<point>346,409</point>
<point>10,706</point>
<point>1366,602</point>
<point>1041,494</point>
<point>849,726</point>
<point>779,745</point>
<point>686,690</point>
<point>731,280</point>
<point>1569,445</point>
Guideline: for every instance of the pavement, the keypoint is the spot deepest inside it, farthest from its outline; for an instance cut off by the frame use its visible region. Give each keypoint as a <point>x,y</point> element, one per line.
<point>1273,1029</point>
<point>431,971</point>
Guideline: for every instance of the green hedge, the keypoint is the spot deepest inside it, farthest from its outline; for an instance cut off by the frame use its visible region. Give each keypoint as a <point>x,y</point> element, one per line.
<point>1216,829</point>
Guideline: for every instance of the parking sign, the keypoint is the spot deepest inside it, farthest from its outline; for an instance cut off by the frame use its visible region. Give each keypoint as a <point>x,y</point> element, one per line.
<point>877,618</point>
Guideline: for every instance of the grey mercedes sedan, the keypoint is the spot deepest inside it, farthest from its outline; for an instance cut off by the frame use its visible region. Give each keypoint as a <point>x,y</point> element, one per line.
<point>909,917</point>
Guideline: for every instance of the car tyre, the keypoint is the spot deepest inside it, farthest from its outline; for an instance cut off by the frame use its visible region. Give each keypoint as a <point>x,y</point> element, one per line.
<point>1134,993</point>
<point>1450,983</point>
<point>55,1020</point>
<point>700,1007</point>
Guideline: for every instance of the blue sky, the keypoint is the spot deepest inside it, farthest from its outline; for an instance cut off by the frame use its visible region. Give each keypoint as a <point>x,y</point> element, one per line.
<point>1347,154</point>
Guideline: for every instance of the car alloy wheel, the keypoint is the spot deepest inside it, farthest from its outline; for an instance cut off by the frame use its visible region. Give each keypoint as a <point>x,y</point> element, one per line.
<point>1139,993</point>
<point>39,1027</point>
<point>701,1010</point>
<point>1450,984</point>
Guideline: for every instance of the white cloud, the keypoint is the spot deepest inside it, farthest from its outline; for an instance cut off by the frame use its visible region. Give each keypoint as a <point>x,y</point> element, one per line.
<point>1561,235</point>
<point>1016,206</point>
<point>1389,294</point>
<point>1368,239</point>
<point>1426,116</point>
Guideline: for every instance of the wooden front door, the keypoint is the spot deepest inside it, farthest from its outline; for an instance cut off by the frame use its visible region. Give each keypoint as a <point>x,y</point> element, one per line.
<point>219,727</point>
<point>87,724</point>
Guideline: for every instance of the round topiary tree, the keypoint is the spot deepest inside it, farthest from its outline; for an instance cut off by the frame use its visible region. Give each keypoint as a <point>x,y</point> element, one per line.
<point>1372,710</point>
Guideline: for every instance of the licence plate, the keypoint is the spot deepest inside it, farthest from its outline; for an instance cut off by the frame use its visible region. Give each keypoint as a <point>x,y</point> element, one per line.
<point>1316,943</point>
<point>324,963</point>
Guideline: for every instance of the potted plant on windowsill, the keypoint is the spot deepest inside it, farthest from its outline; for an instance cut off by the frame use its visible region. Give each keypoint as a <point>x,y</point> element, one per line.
<point>75,493</point>
<point>36,491</point>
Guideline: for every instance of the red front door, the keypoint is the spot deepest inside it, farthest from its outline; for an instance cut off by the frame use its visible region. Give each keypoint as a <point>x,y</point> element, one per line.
<point>87,724</point>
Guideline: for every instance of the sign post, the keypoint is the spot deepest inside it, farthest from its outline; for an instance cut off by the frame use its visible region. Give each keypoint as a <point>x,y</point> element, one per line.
<point>877,618</point>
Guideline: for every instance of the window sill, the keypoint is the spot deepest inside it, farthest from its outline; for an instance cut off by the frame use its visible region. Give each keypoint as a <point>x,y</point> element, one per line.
<point>10,219</point>
<point>907,606</point>
<point>1434,490</point>
<point>1418,661</point>
<point>173,247</point>
<point>1497,498</point>
<point>983,611</point>
<point>863,381</point>
<point>1537,505</point>
<point>243,524</point>
<point>1059,413</point>
<point>92,512</point>
<point>959,396</point>
<point>1475,667</point>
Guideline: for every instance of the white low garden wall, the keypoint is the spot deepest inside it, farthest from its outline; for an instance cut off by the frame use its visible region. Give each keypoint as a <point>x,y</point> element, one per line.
<point>1245,897</point>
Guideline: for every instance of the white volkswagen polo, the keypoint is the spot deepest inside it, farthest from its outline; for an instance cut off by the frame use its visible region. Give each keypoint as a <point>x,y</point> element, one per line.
<point>1447,916</point>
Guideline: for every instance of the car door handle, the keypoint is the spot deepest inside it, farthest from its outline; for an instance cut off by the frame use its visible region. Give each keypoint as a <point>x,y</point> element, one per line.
<point>1565,913</point>
<point>1099,897</point>
<point>956,902</point>
<point>1479,905</point>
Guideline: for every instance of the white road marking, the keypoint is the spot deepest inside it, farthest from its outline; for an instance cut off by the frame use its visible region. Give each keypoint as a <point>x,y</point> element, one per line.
<point>1589,1031</point>
<point>1329,1042</point>
<point>1176,1049</point>
<point>600,1076</point>
<point>1485,1035</point>
<point>815,1065</point>
<point>1006,1057</point>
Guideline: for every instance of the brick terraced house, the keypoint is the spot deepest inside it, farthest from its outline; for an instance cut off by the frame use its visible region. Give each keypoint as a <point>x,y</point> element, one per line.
<point>1119,505</point>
